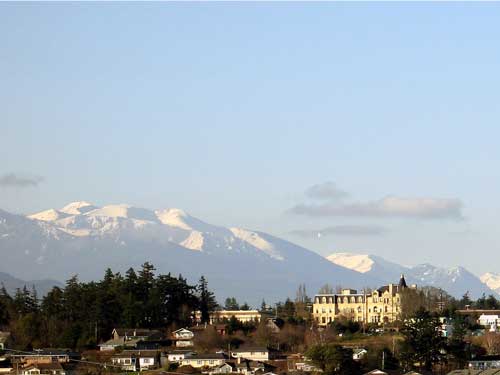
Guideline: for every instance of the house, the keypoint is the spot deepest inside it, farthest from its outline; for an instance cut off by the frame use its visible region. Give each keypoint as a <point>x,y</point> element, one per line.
<point>4,339</point>
<point>204,360</point>
<point>383,305</point>
<point>358,354</point>
<point>45,356</point>
<point>247,367</point>
<point>251,353</point>
<point>54,368</point>
<point>221,316</point>
<point>129,337</point>
<point>485,362</point>
<point>225,368</point>
<point>177,356</point>
<point>133,360</point>
<point>183,338</point>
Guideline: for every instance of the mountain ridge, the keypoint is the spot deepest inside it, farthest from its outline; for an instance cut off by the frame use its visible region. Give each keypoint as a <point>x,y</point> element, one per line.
<point>244,263</point>
<point>455,280</point>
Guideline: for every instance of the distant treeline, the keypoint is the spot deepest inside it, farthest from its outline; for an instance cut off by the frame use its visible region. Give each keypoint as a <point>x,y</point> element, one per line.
<point>80,315</point>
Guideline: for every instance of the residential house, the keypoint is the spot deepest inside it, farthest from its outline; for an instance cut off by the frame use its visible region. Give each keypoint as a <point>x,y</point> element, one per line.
<point>54,368</point>
<point>139,359</point>
<point>251,353</point>
<point>176,356</point>
<point>485,362</point>
<point>45,356</point>
<point>225,368</point>
<point>183,338</point>
<point>129,337</point>
<point>247,367</point>
<point>126,361</point>
<point>204,360</point>
<point>222,316</point>
<point>383,305</point>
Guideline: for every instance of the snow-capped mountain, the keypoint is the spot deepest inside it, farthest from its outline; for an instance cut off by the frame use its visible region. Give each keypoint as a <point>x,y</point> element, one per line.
<point>492,280</point>
<point>456,280</point>
<point>83,238</point>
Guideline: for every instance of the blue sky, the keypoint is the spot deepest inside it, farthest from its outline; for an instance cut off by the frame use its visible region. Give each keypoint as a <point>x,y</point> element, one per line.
<point>232,111</point>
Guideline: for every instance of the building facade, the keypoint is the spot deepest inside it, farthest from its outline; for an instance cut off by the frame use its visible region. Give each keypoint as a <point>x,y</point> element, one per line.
<point>380,306</point>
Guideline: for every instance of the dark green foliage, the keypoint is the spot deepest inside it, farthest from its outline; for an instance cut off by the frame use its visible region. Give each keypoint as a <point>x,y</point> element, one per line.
<point>83,314</point>
<point>423,345</point>
<point>206,300</point>
<point>333,359</point>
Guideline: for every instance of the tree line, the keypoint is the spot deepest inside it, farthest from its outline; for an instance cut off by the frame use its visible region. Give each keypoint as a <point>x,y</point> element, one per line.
<point>82,314</point>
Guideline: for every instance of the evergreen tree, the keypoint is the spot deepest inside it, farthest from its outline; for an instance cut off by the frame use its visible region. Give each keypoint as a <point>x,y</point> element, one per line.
<point>207,301</point>
<point>423,344</point>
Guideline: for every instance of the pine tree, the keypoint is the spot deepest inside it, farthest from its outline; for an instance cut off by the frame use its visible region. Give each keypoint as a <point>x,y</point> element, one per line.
<point>206,298</point>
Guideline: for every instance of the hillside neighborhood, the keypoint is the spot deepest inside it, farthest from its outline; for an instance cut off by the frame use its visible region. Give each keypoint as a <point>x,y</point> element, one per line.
<point>394,329</point>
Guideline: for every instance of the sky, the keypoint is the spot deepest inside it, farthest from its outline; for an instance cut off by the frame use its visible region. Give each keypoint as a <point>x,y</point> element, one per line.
<point>361,127</point>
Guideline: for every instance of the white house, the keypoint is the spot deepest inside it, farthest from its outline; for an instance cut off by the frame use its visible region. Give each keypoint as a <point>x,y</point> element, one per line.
<point>183,338</point>
<point>133,360</point>
<point>486,320</point>
<point>178,355</point>
<point>43,369</point>
<point>204,360</point>
<point>251,353</point>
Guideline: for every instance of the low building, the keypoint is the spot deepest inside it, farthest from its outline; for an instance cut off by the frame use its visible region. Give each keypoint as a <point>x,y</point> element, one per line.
<point>225,368</point>
<point>183,338</point>
<point>221,316</point>
<point>485,362</point>
<point>176,356</point>
<point>129,337</point>
<point>204,360</point>
<point>54,368</point>
<point>133,360</point>
<point>251,353</point>
<point>45,356</point>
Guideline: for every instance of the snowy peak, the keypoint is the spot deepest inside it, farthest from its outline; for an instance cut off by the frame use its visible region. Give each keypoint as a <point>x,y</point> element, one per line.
<point>357,262</point>
<point>49,215</point>
<point>78,208</point>
<point>455,280</point>
<point>257,241</point>
<point>174,217</point>
<point>492,280</point>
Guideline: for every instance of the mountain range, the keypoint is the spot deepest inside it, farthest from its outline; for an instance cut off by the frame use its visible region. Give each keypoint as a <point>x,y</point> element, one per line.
<point>84,239</point>
<point>456,280</point>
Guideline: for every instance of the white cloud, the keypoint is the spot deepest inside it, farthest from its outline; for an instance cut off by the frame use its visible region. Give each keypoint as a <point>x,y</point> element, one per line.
<point>420,208</point>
